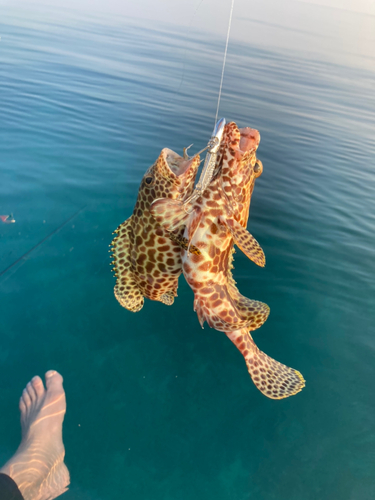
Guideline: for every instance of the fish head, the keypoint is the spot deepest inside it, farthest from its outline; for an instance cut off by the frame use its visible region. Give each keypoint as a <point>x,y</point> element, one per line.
<point>238,153</point>
<point>248,145</point>
<point>171,176</point>
<point>239,167</point>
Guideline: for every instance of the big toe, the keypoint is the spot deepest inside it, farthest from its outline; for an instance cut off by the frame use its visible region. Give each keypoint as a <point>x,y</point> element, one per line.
<point>54,381</point>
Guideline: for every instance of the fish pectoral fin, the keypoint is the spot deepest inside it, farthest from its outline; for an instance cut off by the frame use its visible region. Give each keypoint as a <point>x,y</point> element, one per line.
<point>194,222</point>
<point>170,214</point>
<point>273,379</point>
<point>126,288</point>
<point>183,243</point>
<point>245,241</point>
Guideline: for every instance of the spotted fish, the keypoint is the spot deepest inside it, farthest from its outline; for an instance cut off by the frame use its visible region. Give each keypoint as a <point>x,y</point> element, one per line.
<point>147,258</point>
<point>214,223</point>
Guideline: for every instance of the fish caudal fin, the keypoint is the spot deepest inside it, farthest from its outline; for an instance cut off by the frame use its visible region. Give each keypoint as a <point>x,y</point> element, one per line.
<point>128,295</point>
<point>126,288</point>
<point>245,241</point>
<point>170,214</point>
<point>273,379</point>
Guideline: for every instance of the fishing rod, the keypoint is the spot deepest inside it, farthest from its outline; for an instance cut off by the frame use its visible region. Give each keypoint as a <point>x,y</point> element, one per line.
<point>40,242</point>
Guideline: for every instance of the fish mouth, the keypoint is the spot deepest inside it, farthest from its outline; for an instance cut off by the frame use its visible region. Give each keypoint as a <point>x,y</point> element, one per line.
<point>181,169</point>
<point>249,140</point>
<point>176,163</point>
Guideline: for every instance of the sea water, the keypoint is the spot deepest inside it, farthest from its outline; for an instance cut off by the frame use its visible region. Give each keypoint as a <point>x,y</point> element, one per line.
<point>158,408</point>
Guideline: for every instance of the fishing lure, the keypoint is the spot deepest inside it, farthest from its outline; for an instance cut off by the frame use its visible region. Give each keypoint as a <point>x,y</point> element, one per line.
<point>209,163</point>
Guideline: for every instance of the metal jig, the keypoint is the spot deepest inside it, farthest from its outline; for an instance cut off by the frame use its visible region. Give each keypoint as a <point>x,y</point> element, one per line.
<point>210,161</point>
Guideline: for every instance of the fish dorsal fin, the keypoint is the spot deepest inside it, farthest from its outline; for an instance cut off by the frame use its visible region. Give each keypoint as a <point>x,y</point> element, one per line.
<point>170,214</point>
<point>245,241</point>
<point>126,288</point>
<point>273,379</point>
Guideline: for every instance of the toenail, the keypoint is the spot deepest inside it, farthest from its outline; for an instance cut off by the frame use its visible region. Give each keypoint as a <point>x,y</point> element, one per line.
<point>50,373</point>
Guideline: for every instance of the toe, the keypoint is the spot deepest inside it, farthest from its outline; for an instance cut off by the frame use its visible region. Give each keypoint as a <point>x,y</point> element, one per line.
<point>53,380</point>
<point>26,398</point>
<point>38,386</point>
<point>22,405</point>
<point>31,392</point>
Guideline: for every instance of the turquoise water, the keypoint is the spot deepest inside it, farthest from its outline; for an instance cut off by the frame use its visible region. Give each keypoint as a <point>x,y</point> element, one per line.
<point>158,408</point>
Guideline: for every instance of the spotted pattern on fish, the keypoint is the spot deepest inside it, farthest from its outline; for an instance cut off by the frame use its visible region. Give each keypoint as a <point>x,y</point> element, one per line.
<point>184,243</point>
<point>214,221</point>
<point>146,257</point>
<point>273,379</point>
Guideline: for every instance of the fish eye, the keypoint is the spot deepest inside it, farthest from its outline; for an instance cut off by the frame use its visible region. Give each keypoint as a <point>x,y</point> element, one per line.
<point>149,181</point>
<point>258,167</point>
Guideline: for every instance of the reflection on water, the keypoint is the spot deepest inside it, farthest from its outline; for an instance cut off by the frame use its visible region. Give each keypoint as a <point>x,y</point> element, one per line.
<point>156,406</point>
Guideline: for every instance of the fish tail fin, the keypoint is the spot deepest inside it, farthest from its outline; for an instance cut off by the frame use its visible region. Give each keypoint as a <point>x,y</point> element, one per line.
<point>273,379</point>
<point>129,295</point>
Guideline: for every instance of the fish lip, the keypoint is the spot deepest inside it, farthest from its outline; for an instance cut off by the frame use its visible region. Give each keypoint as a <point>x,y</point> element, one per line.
<point>249,140</point>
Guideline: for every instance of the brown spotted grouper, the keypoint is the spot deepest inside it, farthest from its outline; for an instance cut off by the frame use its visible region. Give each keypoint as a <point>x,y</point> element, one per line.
<point>213,223</point>
<point>147,258</point>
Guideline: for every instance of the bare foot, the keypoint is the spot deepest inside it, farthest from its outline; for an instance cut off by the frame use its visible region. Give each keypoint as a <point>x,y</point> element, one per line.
<point>37,467</point>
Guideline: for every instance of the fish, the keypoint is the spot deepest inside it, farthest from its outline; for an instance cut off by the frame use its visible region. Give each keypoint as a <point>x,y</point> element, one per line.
<point>146,257</point>
<point>214,223</point>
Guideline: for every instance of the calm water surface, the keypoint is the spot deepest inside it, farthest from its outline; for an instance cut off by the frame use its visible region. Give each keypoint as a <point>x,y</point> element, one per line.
<point>158,408</point>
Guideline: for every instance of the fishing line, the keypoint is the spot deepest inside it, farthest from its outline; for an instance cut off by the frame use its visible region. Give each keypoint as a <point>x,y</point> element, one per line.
<point>187,37</point>
<point>225,57</point>
<point>40,242</point>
